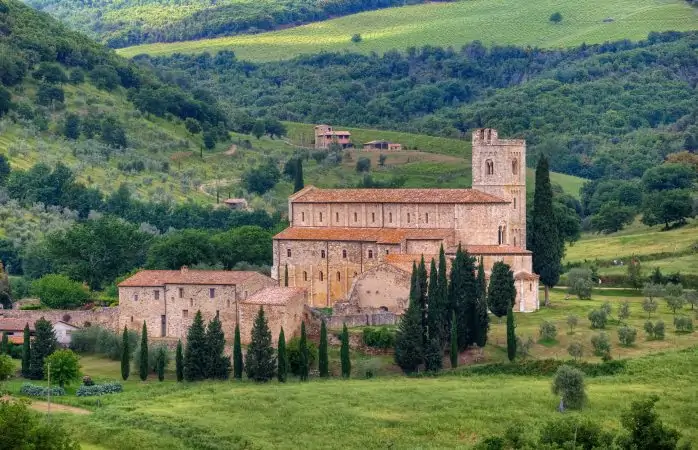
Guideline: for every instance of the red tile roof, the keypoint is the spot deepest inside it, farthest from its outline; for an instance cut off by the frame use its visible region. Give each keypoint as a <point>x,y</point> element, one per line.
<point>312,194</point>
<point>378,235</point>
<point>404,261</point>
<point>206,277</point>
<point>523,275</point>
<point>275,295</point>
<point>15,324</point>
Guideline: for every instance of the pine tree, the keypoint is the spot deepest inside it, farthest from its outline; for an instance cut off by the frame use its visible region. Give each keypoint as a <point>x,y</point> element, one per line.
<point>143,357</point>
<point>303,350</point>
<point>323,364</point>
<point>26,352</point>
<point>125,355</point>
<point>259,360</point>
<point>44,344</point>
<point>282,361</point>
<point>546,243</point>
<point>195,351</point>
<point>409,350</point>
<point>501,294</point>
<point>218,363</point>
<point>346,361</point>
<point>179,362</point>
<point>511,335</point>
<point>4,345</point>
<point>454,341</point>
<point>298,176</point>
<point>483,319</point>
<point>238,365</point>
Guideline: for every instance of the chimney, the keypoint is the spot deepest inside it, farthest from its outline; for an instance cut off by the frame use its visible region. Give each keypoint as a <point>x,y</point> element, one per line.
<point>184,269</point>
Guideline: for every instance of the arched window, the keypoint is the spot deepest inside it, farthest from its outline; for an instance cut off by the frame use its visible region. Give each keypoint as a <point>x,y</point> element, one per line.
<point>322,254</point>
<point>344,254</point>
<point>514,241</point>
<point>288,252</point>
<point>370,254</point>
<point>321,276</point>
<point>515,166</point>
<point>305,276</point>
<point>339,276</point>
<point>499,235</point>
<point>489,167</point>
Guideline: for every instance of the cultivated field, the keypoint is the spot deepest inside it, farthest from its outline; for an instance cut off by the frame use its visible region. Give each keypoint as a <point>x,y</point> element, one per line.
<point>517,22</point>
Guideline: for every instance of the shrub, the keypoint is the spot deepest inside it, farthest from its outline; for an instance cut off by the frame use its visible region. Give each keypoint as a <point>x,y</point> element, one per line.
<point>659,330</point>
<point>87,381</point>
<point>294,355</point>
<point>575,432</point>
<point>356,38</point>
<point>683,324</point>
<point>598,318</point>
<point>572,322</point>
<point>523,348</point>
<point>32,390</point>
<point>21,428</point>
<point>7,367</point>
<point>379,337</point>
<point>64,366</point>
<point>649,329</point>
<point>100,341</point>
<point>547,331</point>
<point>556,17</point>
<point>602,345</point>
<point>99,389</point>
<point>580,283</point>
<point>363,164</point>
<point>569,385</point>
<point>627,335</point>
<point>153,352</point>
<point>576,350</point>
<point>645,430</point>
<point>543,367</point>
<point>59,292</point>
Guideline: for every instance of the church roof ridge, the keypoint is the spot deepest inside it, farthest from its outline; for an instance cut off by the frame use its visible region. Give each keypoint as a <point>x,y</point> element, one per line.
<point>311,194</point>
<point>363,234</point>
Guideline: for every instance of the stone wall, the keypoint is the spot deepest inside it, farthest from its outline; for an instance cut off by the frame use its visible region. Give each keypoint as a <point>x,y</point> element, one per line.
<point>105,317</point>
<point>385,287</point>
<point>360,320</point>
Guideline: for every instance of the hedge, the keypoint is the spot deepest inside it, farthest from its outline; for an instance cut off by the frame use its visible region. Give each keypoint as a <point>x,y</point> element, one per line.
<point>543,367</point>
<point>34,390</point>
<point>380,337</point>
<point>99,389</point>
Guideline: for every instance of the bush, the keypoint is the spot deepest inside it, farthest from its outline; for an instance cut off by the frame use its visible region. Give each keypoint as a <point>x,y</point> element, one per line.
<point>99,389</point>
<point>649,329</point>
<point>363,164</point>
<point>598,318</point>
<point>575,432</point>
<point>153,351</point>
<point>100,341</point>
<point>356,38</point>
<point>572,322</point>
<point>64,367</point>
<point>683,324</point>
<point>22,428</point>
<point>379,337</point>
<point>576,350</point>
<point>60,292</point>
<point>627,335</point>
<point>659,330</point>
<point>569,385</point>
<point>602,345</point>
<point>542,367</point>
<point>580,283</point>
<point>556,17</point>
<point>547,331</point>
<point>293,355</point>
<point>7,367</point>
<point>32,390</point>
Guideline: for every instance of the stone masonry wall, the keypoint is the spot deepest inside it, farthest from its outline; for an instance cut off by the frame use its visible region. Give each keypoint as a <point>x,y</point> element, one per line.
<point>105,317</point>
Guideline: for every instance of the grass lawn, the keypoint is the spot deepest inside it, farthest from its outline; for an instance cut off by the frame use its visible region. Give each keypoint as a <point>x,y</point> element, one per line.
<point>518,22</point>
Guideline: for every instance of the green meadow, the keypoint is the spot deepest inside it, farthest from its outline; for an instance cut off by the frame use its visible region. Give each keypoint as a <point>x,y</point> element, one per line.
<point>518,22</point>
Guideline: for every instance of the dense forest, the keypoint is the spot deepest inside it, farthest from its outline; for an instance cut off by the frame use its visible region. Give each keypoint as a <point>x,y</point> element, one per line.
<point>122,23</point>
<point>613,109</point>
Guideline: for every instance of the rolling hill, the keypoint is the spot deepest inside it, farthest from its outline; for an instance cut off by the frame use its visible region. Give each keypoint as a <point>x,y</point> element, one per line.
<point>517,22</point>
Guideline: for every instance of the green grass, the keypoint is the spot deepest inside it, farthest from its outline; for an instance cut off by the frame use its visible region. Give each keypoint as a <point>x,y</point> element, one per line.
<point>518,22</point>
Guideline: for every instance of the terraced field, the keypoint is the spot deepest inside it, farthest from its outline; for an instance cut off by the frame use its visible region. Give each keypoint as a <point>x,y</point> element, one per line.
<point>517,22</point>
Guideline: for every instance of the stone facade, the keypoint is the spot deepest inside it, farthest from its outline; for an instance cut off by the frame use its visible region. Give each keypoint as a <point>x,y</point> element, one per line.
<point>340,239</point>
<point>104,317</point>
<point>283,307</point>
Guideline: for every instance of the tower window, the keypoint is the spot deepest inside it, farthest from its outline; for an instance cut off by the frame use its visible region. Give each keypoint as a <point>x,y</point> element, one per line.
<point>356,217</point>
<point>370,254</point>
<point>373,217</point>
<point>336,217</point>
<point>426,217</point>
<point>322,254</point>
<point>321,276</point>
<point>408,217</point>
<point>339,276</point>
<point>515,166</point>
<point>489,167</point>
<point>212,293</point>
<point>288,252</point>
<point>320,217</point>
<point>305,276</point>
<point>156,294</point>
<point>344,254</point>
<point>181,292</point>
<point>500,234</point>
<point>390,217</point>
<point>514,202</point>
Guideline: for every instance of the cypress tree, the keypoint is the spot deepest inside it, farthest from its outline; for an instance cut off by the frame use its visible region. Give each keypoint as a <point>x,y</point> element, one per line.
<point>483,319</point>
<point>125,355</point>
<point>323,364</point>
<point>179,362</point>
<point>463,297</point>
<point>501,294</point>
<point>195,351</point>
<point>298,176</point>
<point>4,345</point>
<point>303,350</point>
<point>259,360</point>
<point>143,361</point>
<point>423,289</point>
<point>441,300</point>
<point>238,365</point>
<point>218,363</point>
<point>44,344</point>
<point>433,314</point>
<point>546,243</point>
<point>160,363</point>
<point>26,352</point>
<point>433,356</point>
<point>511,335</point>
<point>346,361</point>
<point>409,350</point>
<point>282,362</point>
<point>454,341</point>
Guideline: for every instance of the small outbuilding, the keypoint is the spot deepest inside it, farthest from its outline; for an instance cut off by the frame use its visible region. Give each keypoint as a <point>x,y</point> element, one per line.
<point>64,332</point>
<point>380,145</point>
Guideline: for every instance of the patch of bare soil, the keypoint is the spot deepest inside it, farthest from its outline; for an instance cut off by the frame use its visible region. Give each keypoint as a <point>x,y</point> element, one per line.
<point>42,406</point>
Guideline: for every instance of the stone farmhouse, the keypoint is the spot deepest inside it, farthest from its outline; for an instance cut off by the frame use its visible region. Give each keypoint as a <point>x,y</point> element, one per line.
<point>381,145</point>
<point>354,248</point>
<point>325,135</point>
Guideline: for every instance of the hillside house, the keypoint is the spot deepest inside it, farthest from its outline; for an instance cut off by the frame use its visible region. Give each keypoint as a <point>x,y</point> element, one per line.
<point>381,145</point>
<point>325,135</point>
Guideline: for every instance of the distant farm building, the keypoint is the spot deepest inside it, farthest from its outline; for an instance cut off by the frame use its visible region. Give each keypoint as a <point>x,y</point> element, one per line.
<point>237,204</point>
<point>325,136</point>
<point>383,145</point>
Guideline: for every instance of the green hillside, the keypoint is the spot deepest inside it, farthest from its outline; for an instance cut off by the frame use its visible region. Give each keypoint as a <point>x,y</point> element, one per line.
<point>517,22</point>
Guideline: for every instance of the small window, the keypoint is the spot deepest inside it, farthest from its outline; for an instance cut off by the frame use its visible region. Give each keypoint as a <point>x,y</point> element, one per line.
<point>305,276</point>
<point>302,217</point>
<point>131,318</point>
<point>514,241</point>
<point>426,217</point>
<point>373,217</point>
<point>156,294</point>
<point>514,202</point>
<point>321,276</point>
<point>322,254</point>
<point>135,297</point>
<point>489,167</point>
<point>320,217</point>
<point>288,252</point>
<point>390,217</point>
<point>530,286</point>
<point>515,166</point>
<point>356,217</point>
<point>218,313</point>
<point>355,274</point>
<point>336,217</point>
<point>387,252</point>
<point>408,217</point>
<point>185,313</point>
<point>191,302</point>
<point>212,293</point>
<point>227,303</point>
<point>181,292</point>
<point>370,254</point>
<point>344,254</point>
<point>339,276</point>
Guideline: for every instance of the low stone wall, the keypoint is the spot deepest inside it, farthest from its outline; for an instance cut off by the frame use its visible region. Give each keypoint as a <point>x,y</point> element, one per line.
<point>361,320</point>
<point>105,317</point>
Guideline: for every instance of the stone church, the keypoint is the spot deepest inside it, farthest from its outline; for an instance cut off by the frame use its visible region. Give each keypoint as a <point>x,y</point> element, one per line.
<point>352,249</point>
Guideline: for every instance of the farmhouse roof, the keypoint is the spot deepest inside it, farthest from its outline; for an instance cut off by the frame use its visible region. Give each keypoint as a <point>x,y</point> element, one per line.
<point>311,194</point>
<point>15,324</point>
<point>275,295</point>
<point>186,276</point>
<point>377,235</point>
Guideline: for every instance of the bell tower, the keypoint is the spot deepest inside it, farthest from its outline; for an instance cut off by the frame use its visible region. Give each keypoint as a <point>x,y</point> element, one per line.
<point>499,168</point>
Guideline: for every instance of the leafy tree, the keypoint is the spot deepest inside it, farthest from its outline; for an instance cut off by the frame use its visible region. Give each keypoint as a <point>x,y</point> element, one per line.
<point>26,352</point>
<point>218,363</point>
<point>635,277</point>
<point>454,341</point>
<point>547,331</point>
<point>50,73</point>
<point>556,17</point>
<point>64,365</point>
<point>627,335</point>
<point>598,318</point>
<point>667,207</point>
<point>572,322</point>
<point>645,431</point>
<point>304,362</point>
<point>60,292</point>
<point>657,277</point>
<point>238,365</point>
<point>649,305</point>
<point>668,177</point>
<point>546,244</point>
<point>363,165</point>
<point>259,360</point>
<point>580,283</point>
<point>576,350</point>
<point>143,355</point>
<point>282,362</point>
<point>261,179</point>
<point>125,355</point>
<point>274,128</point>
<point>344,353</point>
<point>602,345</point>
<point>356,38</point>
<point>181,248</point>
<point>209,140</point>
<point>179,362</point>
<point>569,385</point>
<point>258,129</point>
<point>71,126</point>
<point>104,77</point>
<point>43,345</point>
<point>195,353</point>
<point>324,362</point>
<point>298,183</point>
<point>22,428</point>
<point>4,345</point>
<point>112,133</point>
<point>675,303</point>
<point>409,353</point>
<point>501,293</point>
<point>4,163</point>
<point>250,244</point>
<point>624,311</point>
<point>192,125</point>
<point>48,95</point>
<point>612,217</point>
<point>7,368</point>
<point>511,335</point>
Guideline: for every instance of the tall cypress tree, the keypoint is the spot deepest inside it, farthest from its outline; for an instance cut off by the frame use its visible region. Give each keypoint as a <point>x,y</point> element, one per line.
<point>304,357</point>
<point>218,363</point>
<point>409,349</point>
<point>546,243</point>
<point>143,357</point>
<point>511,335</point>
<point>238,365</point>
<point>433,315</point>
<point>423,289</point>
<point>282,361</point>
<point>260,362</point>
<point>483,319</point>
<point>26,352</point>
<point>463,297</point>
<point>298,176</point>
<point>441,299</point>
<point>454,341</point>
<point>195,351</point>
<point>179,362</point>
<point>324,364</point>
<point>44,344</point>
<point>4,345</point>
<point>160,361</point>
<point>501,294</point>
<point>346,360</point>
<point>125,355</point>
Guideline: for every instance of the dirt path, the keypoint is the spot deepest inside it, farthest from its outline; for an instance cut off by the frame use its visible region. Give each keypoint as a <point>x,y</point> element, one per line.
<point>42,406</point>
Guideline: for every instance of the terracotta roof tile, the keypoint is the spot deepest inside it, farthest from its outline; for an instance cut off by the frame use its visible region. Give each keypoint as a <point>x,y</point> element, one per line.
<point>523,275</point>
<point>378,235</point>
<point>275,295</point>
<point>404,261</point>
<point>208,277</point>
<point>15,324</point>
<point>451,196</point>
